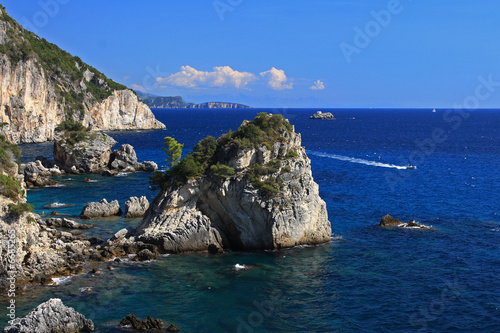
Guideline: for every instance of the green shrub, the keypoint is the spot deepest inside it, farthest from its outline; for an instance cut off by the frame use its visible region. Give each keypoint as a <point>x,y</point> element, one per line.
<point>292,154</point>
<point>19,209</point>
<point>189,168</point>
<point>70,125</point>
<point>222,170</point>
<point>10,187</point>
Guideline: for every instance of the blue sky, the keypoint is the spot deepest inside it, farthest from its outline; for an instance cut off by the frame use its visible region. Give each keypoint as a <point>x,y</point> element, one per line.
<point>316,53</point>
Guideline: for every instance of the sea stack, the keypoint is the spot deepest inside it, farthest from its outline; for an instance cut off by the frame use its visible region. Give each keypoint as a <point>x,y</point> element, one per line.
<point>251,189</point>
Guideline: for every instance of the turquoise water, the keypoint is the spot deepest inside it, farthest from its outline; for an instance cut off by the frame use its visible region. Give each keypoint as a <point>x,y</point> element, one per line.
<point>367,279</point>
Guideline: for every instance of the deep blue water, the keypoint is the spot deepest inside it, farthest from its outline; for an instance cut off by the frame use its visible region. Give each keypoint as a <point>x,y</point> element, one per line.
<point>368,279</point>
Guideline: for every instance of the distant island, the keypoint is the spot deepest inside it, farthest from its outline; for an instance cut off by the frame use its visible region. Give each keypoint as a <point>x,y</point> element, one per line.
<point>176,102</point>
<point>322,115</point>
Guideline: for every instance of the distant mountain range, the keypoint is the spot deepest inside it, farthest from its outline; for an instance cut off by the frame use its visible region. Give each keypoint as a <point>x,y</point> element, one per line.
<point>176,102</point>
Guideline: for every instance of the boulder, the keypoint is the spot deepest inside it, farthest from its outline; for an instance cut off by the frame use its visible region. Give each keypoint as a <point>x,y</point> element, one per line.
<point>148,324</point>
<point>148,166</point>
<point>389,221</point>
<point>136,207</point>
<point>101,209</point>
<point>51,316</point>
<point>90,155</point>
<point>144,255</point>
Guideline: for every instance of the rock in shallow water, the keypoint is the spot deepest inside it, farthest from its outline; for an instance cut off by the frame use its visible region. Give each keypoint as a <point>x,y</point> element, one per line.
<point>149,323</point>
<point>51,316</point>
<point>101,209</point>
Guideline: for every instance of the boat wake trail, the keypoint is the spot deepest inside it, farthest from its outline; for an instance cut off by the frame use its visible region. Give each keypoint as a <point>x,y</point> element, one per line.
<point>357,160</point>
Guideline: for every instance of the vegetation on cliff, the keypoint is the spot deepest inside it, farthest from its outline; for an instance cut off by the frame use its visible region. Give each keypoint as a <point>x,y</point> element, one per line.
<point>210,156</point>
<point>10,187</point>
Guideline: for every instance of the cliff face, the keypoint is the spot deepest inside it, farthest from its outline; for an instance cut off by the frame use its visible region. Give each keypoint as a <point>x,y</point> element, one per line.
<point>269,202</point>
<point>41,85</point>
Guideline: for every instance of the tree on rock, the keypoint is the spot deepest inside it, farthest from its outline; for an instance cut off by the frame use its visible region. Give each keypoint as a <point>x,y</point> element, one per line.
<point>173,150</point>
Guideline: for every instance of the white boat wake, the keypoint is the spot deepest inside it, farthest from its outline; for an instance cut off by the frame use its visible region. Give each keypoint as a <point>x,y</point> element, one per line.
<point>357,160</point>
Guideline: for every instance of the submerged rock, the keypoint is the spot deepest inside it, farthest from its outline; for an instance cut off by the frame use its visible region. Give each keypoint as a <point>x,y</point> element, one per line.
<point>136,207</point>
<point>51,316</point>
<point>101,209</point>
<point>259,196</point>
<point>389,221</point>
<point>148,324</point>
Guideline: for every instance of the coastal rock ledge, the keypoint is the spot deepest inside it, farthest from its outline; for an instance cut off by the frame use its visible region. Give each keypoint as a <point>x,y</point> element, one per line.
<point>254,196</point>
<point>51,316</point>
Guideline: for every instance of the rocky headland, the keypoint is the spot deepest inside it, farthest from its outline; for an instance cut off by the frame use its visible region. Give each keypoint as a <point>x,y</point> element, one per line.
<point>176,102</point>
<point>42,85</point>
<point>251,189</point>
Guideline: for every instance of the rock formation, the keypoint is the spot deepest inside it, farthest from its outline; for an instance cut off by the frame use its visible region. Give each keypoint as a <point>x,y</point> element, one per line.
<point>124,159</point>
<point>136,207</point>
<point>89,155</point>
<point>37,91</point>
<point>36,174</point>
<point>51,316</point>
<point>258,193</point>
<point>389,221</point>
<point>101,209</point>
<point>322,115</point>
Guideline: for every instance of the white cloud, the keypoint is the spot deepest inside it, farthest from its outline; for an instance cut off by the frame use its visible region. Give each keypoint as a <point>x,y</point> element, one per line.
<point>126,77</point>
<point>276,79</point>
<point>318,85</point>
<point>223,76</point>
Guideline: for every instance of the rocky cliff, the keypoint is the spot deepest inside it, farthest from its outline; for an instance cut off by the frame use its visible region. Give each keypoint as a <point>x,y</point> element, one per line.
<point>41,85</point>
<point>251,189</point>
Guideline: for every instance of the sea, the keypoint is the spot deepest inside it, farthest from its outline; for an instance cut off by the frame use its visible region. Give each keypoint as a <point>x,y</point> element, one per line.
<point>366,279</point>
